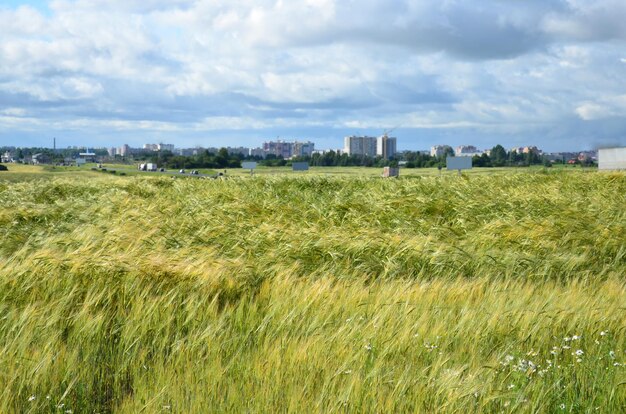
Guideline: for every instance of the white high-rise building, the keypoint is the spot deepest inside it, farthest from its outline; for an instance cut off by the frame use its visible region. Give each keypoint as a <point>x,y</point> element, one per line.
<point>257,152</point>
<point>386,147</point>
<point>165,147</point>
<point>124,150</point>
<point>360,146</point>
<point>158,147</point>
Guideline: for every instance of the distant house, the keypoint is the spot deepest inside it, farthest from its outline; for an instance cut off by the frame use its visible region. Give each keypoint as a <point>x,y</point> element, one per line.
<point>6,157</point>
<point>40,158</point>
<point>440,150</point>
<point>88,156</point>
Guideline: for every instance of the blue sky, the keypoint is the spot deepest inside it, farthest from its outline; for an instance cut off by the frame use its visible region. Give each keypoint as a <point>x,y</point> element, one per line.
<point>550,73</point>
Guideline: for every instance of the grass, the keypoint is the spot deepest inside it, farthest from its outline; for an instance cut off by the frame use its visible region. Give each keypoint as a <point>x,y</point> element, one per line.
<point>377,172</point>
<point>499,292</point>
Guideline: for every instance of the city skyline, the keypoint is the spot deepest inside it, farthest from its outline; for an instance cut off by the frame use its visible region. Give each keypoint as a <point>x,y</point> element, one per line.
<point>353,145</point>
<point>199,73</point>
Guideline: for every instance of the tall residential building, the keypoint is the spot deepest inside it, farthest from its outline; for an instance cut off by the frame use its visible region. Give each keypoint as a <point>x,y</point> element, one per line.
<point>188,152</point>
<point>159,147</point>
<point>439,150</point>
<point>279,148</point>
<point>124,150</point>
<point>386,147</point>
<point>165,147</point>
<point>302,149</point>
<point>257,152</point>
<point>360,146</point>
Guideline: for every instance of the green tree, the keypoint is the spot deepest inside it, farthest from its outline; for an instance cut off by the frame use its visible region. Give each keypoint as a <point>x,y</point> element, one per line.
<point>221,159</point>
<point>498,156</point>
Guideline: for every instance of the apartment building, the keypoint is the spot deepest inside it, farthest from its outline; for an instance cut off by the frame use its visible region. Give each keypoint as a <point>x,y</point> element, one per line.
<point>360,146</point>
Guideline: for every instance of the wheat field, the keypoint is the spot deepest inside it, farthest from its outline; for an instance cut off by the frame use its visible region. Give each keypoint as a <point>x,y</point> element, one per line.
<point>489,293</point>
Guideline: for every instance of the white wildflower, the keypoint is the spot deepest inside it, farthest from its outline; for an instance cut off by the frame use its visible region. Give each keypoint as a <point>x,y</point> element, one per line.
<point>526,366</point>
<point>575,337</point>
<point>368,347</point>
<point>612,354</point>
<point>567,339</point>
<point>31,398</point>
<point>562,406</point>
<point>510,387</point>
<point>579,352</point>
<point>603,333</point>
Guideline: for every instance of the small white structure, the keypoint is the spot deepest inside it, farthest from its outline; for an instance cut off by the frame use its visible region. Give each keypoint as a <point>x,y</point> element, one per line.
<point>612,158</point>
<point>249,165</point>
<point>391,172</point>
<point>6,157</point>
<point>300,166</point>
<point>459,163</point>
<point>148,167</point>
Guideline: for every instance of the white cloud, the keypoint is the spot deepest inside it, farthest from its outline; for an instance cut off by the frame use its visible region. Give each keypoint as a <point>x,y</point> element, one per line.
<point>592,111</point>
<point>186,65</point>
<point>14,112</point>
<point>605,107</point>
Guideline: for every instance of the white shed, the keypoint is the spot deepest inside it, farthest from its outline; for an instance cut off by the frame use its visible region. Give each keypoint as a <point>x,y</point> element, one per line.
<point>612,158</point>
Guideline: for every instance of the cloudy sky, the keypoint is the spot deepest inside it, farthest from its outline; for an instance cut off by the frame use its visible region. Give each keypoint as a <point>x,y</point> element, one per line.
<point>550,73</point>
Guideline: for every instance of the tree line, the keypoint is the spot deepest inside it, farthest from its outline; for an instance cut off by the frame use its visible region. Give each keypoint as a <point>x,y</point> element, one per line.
<point>496,157</point>
<point>204,159</point>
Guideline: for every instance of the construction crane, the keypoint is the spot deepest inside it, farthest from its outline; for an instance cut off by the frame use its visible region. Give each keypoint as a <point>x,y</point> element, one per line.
<point>389,131</point>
